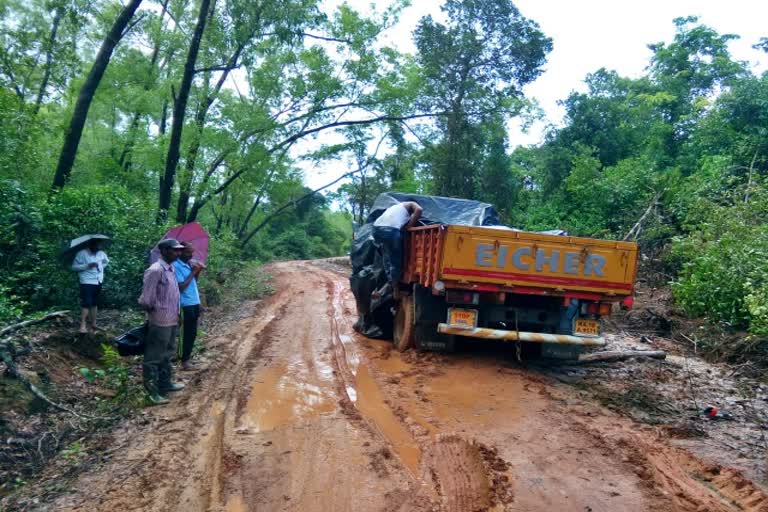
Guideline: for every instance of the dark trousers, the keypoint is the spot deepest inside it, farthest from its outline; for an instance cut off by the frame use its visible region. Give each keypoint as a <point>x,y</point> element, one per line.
<point>189,330</point>
<point>89,295</point>
<point>159,347</point>
<point>391,242</point>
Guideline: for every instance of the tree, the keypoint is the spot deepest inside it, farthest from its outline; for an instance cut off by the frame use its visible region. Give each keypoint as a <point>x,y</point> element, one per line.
<point>688,70</point>
<point>473,67</point>
<point>74,131</point>
<point>180,109</point>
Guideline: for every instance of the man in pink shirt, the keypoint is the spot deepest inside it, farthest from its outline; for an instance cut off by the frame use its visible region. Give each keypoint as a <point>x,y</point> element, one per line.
<point>160,299</point>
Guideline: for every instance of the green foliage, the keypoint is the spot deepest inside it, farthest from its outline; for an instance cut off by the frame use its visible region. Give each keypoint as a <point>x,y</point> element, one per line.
<point>756,303</point>
<point>115,375</point>
<point>473,70</point>
<point>684,147</point>
<point>11,305</point>
<point>74,451</point>
<point>724,264</point>
<point>248,283</point>
<point>39,227</point>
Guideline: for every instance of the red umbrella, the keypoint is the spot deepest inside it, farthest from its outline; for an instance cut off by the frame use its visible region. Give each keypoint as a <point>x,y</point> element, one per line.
<point>192,233</point>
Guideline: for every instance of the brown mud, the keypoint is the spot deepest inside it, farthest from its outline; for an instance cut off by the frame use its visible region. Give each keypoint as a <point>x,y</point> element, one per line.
<point>293,411</point>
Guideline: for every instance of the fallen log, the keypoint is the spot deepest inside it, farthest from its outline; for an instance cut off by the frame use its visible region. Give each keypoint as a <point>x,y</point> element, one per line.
<point>613,356</point>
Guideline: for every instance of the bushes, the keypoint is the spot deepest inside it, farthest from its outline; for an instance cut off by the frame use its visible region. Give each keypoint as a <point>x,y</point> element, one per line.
<point>248,282</point>
<point>35,229</point>
<point>724,267</point>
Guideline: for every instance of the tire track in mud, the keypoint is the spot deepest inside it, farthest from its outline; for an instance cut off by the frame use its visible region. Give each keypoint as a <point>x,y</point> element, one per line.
<point>292,446</point>
<point>460,479</point>
<point>202,486</point>
<point>675,474</point>
<point>451,473</point>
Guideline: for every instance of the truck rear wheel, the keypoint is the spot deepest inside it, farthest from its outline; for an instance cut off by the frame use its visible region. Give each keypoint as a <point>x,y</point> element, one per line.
<point>430,310</point>
<point>404,328</point>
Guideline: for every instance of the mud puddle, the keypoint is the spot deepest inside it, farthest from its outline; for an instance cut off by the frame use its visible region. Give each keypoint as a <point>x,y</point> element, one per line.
<point>281,395</point>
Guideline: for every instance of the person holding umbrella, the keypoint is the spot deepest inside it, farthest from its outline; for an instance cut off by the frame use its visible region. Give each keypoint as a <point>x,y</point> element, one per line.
<point>89,263</point>
<point>187,270</point>
<point>160,299</point>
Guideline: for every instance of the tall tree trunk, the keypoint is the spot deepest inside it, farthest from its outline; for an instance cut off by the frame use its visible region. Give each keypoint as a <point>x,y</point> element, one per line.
<point>87,91</point>
<point>187,176</point>
<point>58,14</point>
<point>164,117</point>
<point>185,191</point>
<point>179,111</point>
<point>125,156</point>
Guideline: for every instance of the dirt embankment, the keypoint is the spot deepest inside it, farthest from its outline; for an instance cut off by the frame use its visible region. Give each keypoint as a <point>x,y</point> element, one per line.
<point>294,411</point>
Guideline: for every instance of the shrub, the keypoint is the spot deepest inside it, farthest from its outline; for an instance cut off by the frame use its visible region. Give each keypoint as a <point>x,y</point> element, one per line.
<point>724,267</point>
<point>36,229</point>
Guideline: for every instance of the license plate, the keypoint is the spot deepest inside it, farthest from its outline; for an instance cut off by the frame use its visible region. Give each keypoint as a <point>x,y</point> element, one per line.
<point>586,328</point>
<point>462,317</point>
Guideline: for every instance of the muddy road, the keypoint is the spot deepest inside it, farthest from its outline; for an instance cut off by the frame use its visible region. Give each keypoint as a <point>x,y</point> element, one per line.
<point>293,411</point>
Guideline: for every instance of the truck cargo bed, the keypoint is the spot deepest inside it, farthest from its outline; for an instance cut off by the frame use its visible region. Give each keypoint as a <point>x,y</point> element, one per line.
<point>482,258</point>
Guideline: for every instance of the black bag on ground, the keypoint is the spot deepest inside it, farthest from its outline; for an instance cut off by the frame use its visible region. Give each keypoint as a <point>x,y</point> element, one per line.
<point>131,343</point>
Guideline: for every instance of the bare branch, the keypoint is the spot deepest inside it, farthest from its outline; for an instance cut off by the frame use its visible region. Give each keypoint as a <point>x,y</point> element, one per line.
<point>295,202</point>
<point>326,38</point>
<point>221,67</point>
<point>26,323</point>
<point>133,24</point>
<point>638,227</point>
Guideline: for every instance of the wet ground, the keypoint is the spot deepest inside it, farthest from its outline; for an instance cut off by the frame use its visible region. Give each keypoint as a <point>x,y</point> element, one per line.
<point>296,412</point>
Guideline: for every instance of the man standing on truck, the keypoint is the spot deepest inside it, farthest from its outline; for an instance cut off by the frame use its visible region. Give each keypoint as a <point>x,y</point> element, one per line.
<point>388,233</point>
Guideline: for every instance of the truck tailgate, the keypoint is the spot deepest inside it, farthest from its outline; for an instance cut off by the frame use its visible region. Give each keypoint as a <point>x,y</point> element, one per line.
<point>523,259</point>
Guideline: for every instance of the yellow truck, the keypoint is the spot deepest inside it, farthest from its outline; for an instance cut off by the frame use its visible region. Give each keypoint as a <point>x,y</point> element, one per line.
<point>545,293</point>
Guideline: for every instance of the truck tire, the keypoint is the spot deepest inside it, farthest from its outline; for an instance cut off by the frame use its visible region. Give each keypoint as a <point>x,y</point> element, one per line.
<point>430,310</point>
<point>403,329</point>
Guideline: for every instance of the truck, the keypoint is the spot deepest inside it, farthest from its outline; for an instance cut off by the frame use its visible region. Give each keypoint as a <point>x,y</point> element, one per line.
<point>546,293</point>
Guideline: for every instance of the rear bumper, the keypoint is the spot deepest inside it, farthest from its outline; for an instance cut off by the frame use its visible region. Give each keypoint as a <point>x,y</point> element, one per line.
<point>536,337</point>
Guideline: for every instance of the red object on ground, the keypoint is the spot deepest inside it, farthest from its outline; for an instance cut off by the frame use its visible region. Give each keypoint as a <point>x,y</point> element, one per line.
<point>193,233</point>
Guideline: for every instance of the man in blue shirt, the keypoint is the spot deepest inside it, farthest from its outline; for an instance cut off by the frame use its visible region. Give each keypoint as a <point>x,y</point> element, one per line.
<point>186,271</point>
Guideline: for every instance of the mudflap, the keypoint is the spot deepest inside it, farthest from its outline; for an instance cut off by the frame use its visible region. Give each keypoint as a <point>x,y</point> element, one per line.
<point>561,351</point>
<point>430,311</point>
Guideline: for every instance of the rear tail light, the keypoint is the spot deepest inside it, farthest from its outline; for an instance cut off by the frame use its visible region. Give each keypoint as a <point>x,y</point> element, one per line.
<point>462,297</point>
<point>599,308</point>
<point>628,302</point>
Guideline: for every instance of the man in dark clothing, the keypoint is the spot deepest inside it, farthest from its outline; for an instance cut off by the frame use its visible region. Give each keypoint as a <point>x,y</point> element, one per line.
<point>187,270</point>
<point>160,299</point>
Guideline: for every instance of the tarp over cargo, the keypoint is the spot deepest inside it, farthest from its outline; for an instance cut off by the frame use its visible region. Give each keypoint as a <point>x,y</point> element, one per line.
<point>439,210</point>
<point>375,316</point>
